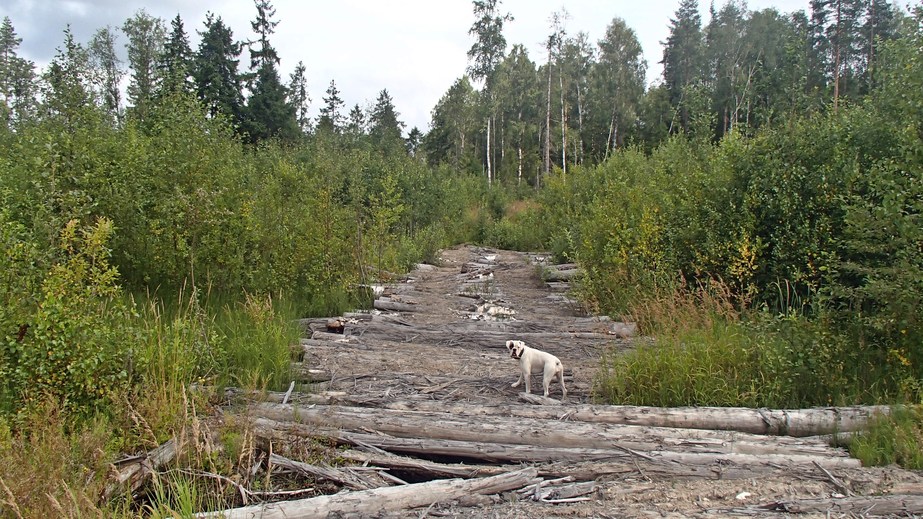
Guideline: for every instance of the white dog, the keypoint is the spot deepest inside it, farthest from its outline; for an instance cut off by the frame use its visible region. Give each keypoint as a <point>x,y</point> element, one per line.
<point>533,359</point>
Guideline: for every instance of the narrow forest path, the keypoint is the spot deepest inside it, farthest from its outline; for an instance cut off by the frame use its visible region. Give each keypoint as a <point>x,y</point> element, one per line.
<point>422,392</point>
<point>451,339</point>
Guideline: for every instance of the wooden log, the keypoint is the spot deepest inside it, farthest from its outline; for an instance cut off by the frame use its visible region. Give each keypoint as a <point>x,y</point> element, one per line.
<point>393,306</point>
<point>375,501</point>
<point>583,464</point>
<point>876,506</point>
<point>494,429</point>
<point>319,335</point>
<point>789,422</point>
<point>134,472</point>
<point>561,275</point>
<point>424,468</point>
<point>336,475</point>
<point>303,373</point>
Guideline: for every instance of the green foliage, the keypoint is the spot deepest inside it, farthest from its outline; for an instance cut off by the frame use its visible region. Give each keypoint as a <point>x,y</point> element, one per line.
<point>76,345</point>
<point>782,363</point>
<point>896,438</point>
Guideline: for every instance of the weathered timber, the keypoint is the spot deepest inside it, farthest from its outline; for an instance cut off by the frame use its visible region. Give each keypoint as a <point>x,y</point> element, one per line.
<point>389,305</point>
<point>375,501</point>
<point>302,373</point>
<point>789,422</point>
<point>581,463</point>
<point>473,333</point>
<point>319,335</point>
<point>339,476</point>
<point>134,472</point>
<point>422,467</point>
<point>552,274</point>
<point>496,429</point>
<point>868,506</point>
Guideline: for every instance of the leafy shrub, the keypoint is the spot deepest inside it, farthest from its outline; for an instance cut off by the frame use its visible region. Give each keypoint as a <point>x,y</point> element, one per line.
<point>80,346</point>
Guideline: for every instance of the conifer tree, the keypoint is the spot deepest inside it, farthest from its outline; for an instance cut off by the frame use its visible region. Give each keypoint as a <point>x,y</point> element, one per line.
<point>215,70</point>
<point>331,116</point>
<point>298,97</point>
<point>384,126</point>
<point>269,113</point>
<point>176,62</point>
<point>683,58</point>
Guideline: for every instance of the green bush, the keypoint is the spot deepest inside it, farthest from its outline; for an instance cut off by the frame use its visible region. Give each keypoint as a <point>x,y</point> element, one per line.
<point>80,346</point>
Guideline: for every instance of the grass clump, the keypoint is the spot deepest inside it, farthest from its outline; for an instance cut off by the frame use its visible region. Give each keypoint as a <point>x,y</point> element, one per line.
<point>896,438</point>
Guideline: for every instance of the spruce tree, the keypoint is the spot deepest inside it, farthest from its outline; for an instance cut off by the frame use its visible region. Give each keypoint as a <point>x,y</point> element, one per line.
<point>215,70</point>
<point>176,62</point>
<point>331,118</point>
<point>269,113</point>
<point>683,58</point>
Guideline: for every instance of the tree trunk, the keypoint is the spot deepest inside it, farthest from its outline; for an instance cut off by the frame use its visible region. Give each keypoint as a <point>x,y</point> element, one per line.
<point>548,119</point>
<point>536,432</point>
<point>608,460</point>
<point>489,173</point>
<point>375,501</point>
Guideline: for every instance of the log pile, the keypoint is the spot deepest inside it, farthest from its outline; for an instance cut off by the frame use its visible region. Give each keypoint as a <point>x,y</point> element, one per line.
<point>460,449</point>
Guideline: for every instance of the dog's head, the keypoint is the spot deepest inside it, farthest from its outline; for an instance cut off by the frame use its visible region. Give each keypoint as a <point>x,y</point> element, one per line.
<point>516,348</point>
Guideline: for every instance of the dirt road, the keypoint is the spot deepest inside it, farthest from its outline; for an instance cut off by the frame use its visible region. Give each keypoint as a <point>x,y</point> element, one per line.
<point>449,349</point>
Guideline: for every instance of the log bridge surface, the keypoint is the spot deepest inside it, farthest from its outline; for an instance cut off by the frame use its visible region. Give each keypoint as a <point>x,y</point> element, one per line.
<point>417,395</point>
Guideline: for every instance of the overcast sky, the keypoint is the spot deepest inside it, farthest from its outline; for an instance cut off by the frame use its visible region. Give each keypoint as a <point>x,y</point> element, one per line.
<point>415,49</point>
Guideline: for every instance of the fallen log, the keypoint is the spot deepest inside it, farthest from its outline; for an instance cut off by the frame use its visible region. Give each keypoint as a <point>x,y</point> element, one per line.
<point>583,464</point>
<point>388,305</point>
<point>374,501</point>
<point>134,472</point>
<point>788,422</point>
<point>552,274</point>
<point>497,429</point>
<point>429,469</point>
<point>869,506</point>
<point>341,477</point>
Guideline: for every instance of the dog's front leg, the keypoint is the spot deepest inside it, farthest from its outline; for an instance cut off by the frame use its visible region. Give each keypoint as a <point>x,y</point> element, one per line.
<point>516,384</point>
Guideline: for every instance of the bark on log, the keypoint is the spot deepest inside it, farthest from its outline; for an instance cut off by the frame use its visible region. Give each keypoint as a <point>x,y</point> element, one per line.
<point>388,305</point>
<point>134,472</point>
<point>328,473</point>
<point>789,422</point>
<point>390,499</point>
<point>493,429</point>
<point>874,506</point>
<point>561,275</point>
<point>583,464</point>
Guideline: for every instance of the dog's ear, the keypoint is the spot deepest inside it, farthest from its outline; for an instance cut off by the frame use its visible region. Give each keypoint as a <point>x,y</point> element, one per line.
<point>509,345</point>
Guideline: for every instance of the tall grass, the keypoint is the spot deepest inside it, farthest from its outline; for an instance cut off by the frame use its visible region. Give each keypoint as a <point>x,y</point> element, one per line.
<point>705,352</point>
<point>893,439</point>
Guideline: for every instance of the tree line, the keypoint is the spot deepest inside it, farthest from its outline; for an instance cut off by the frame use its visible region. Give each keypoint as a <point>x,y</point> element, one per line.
<point>508,117</point>
<point>742,71</point>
